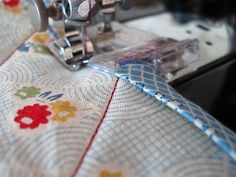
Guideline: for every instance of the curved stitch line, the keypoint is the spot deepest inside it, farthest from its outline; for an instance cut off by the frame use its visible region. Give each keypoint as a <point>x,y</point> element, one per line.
<point>211,132</point>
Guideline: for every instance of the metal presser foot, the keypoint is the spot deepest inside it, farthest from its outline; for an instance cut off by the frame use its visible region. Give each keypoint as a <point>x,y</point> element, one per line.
<point>70,42</point>
<point>72,46</point>
<point>71,50</point>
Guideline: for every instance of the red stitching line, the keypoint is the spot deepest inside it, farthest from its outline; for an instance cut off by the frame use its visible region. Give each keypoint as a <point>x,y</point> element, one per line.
<point>95,133</point>
<point>14,50</point>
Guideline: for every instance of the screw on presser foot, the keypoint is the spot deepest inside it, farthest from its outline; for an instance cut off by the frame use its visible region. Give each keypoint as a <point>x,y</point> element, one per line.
<point>73,48</point>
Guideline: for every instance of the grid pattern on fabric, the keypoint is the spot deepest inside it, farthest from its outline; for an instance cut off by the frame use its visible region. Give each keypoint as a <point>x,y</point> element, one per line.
<point>53,149</point>
<point>140,134</point>
<point>145,78</point>
<point>15,29</point>
<point>151,139</point>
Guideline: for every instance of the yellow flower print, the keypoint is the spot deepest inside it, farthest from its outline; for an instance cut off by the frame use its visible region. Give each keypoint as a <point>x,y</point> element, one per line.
<point>40,38</point>
<point>62,111</point>
<point>108,174</point>
<point>15,10</point>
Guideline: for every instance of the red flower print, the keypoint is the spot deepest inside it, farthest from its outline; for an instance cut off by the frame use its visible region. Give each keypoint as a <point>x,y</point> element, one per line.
<point>11,3</point>
<point>32,116</point>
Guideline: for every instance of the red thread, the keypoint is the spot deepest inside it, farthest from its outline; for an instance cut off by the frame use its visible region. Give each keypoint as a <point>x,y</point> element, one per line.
<point>95,133</point>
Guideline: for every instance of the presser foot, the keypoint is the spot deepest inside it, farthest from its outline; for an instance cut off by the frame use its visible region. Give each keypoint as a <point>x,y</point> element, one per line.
<point>71,51</point>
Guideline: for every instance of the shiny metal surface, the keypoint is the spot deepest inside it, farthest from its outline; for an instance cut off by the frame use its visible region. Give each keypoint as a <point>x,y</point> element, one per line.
<point>38,15</point>
<point>73,47</point>
<point>78,10</point>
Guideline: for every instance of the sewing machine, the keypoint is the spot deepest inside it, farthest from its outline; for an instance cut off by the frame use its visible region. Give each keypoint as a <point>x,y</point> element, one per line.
<point>76,38</point>
<point>75,43</point>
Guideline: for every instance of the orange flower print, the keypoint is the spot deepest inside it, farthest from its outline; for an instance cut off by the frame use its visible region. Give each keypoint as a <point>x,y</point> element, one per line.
<point>40,38</point>
<point>32,116</point>
<point>108,174</point>
<point>12,6</point>
<point>62,111</point>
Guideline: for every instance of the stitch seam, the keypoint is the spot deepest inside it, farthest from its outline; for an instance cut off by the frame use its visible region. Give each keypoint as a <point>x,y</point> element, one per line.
<point>95,132</point>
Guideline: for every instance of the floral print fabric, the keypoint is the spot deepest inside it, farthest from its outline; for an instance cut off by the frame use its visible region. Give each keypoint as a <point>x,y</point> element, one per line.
<point>57,123</point>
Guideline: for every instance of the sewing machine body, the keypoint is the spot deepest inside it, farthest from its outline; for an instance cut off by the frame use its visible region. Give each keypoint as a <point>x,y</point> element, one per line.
<point>215,43</point>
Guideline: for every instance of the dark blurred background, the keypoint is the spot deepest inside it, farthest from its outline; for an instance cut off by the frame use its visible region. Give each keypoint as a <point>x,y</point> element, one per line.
<point>212,86</point>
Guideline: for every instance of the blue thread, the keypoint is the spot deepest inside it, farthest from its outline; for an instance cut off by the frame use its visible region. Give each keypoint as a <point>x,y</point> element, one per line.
<point>45,94</point>
<point>55,97</point>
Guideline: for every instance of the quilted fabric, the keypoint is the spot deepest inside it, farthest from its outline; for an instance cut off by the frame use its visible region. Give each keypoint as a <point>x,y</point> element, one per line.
<point>35,86</point>
<point>57,123</point>
<point>14,28</point>
<point>146,79</point>
<point>142,137</point>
